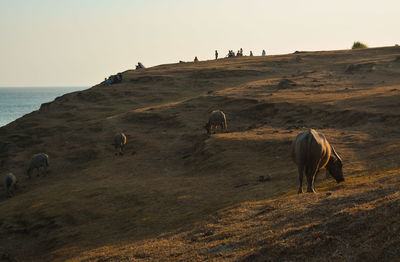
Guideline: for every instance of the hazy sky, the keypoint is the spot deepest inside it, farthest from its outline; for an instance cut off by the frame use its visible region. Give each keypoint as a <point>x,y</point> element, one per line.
<point>79,42</point>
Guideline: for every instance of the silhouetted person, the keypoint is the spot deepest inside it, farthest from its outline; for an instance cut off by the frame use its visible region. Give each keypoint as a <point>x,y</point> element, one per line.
<point>251,53</point>
<point>263,53</point>
<point>216,54</point>
<point>196,59</point>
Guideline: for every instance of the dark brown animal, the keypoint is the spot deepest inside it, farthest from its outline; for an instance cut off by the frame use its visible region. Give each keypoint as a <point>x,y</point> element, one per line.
<point>119,143</point>
<point>10,183</point>
<point>38,161</point>
<point>311,152</point>
<point>217,119</point>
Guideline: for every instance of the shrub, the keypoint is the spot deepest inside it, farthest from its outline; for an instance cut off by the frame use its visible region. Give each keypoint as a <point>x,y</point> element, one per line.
<point>358,45</point>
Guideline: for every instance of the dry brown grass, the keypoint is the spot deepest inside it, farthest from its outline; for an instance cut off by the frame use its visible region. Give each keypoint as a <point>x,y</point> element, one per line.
<point>178,194</point>
<point>358,221</point>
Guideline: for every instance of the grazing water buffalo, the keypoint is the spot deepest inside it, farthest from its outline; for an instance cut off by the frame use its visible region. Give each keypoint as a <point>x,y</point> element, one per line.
<point>119,143</point>
<point>217,118</point>
<point>38,161</point>
<point>10,183</point>
<point>311,152</point>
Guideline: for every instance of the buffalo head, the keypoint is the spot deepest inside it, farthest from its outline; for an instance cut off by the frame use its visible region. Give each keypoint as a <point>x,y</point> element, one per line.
<point>335,166</point>
<point>335,169</point>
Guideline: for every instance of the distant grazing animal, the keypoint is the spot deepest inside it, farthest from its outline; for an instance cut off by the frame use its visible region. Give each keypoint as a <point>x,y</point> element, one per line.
<point>119,143</point>
<point>10,183</point>
<point>38,161</point>
<point>311,152</point>
<point>217,118</point>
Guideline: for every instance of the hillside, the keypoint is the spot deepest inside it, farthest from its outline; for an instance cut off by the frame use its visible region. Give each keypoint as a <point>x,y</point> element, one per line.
<point>179,194</point>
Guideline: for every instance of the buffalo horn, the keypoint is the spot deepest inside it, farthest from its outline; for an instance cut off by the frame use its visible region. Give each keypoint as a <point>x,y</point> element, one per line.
<point>336,154</point>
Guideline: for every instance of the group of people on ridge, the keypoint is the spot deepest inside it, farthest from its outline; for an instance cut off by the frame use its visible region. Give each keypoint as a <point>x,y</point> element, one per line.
<point>140,66</point>
<point>231,53</point>
<point>113,79</point>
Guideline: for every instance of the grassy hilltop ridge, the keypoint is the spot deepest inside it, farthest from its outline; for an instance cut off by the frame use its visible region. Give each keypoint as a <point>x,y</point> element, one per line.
<point>178,194</point>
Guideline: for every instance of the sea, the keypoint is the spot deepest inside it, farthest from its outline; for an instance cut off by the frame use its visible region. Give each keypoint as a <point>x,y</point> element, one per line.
<point>18,101</point>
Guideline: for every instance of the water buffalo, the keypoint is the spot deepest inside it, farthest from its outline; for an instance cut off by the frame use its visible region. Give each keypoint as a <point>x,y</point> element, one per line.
<point>217,118</point>
<point>38,161</point>
<point>119,143</point>
<point>10,183</point>
<point>311,152</point>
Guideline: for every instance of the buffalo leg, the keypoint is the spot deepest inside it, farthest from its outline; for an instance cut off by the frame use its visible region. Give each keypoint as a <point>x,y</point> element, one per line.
<point>313,181</point>
<point>311,177</point>
<point>309,183</point>
<point>301,171</point>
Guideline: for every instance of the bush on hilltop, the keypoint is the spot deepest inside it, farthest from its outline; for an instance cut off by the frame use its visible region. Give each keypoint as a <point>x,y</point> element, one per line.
<point>358,45</point>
